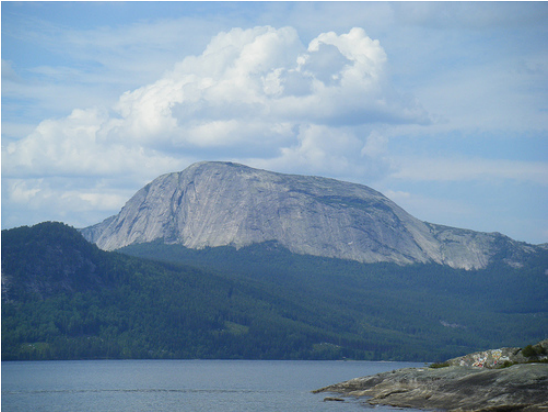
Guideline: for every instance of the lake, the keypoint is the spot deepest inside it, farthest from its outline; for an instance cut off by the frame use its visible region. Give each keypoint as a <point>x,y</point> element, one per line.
<point>181,385</point>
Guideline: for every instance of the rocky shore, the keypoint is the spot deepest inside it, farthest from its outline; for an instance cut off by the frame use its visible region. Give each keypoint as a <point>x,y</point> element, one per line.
<point>476,382</point>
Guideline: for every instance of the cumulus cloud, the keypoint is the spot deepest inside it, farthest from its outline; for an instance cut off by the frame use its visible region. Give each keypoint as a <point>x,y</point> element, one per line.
<point>258,94</point>
<point>250,86</point>
<point>76,146</point>
<point>318,149</point>
<point>266,74</point>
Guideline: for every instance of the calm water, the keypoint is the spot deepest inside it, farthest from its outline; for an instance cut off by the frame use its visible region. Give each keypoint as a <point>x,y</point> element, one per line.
<point>181,385</point>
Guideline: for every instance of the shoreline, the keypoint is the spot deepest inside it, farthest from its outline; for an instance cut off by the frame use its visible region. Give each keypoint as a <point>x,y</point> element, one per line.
<point>522,388</point>
<point>477,382</point>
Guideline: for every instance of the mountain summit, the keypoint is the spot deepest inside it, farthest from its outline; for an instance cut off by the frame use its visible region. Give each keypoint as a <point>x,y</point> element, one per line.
<point>213,204</point>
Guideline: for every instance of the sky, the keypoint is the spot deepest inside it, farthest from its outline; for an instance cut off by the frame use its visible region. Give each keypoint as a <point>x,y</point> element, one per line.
<point>440,106</point>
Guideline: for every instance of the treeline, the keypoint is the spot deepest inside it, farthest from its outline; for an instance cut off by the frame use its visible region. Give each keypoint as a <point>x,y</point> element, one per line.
<point>65,299</point>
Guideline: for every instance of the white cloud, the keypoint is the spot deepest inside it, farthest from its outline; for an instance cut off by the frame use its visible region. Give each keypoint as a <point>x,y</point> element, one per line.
<point>468,169</point>
<point>375,145</point>
<point>259,96</point>
<point>330,151</point>
<point>256,94</point>
<point>239,92</point>
<point>318,148</point>
<point>73,200</point>
<point>22,192</point>
<point>39,193</point>
<point>76,146</point>
<point>59,67</point>
<point>266,74</point>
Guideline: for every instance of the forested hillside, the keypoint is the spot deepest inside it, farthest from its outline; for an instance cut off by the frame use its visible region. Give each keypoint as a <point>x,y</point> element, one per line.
<point>115,306</point>
<point>63,298</point>
<point>432,307</point>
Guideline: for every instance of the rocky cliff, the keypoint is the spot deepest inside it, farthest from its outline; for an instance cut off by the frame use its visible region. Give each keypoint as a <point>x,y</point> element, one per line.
<point>217,204</point>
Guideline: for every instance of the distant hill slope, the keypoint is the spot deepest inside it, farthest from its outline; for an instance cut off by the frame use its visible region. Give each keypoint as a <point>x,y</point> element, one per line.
<point>218,204</point>
<point>63,298</point>
<point>49,258</point>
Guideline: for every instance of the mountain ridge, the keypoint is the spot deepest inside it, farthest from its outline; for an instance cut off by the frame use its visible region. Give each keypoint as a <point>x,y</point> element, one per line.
<point>63,298</point>
<point>212,204</point>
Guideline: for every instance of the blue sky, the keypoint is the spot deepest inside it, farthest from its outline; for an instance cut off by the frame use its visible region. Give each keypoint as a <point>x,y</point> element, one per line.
<point>443,107</point>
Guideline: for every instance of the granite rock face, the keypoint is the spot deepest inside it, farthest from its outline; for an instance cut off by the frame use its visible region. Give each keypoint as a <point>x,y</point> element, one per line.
<point>218,204</point>
<point>505,379</point>
<point>495,358</point>
<point>522,387</point>
<point>489,359</point>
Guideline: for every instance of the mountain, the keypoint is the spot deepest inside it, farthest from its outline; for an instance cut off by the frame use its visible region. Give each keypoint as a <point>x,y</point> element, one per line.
<point>64,298</point>
<point>213,204</point>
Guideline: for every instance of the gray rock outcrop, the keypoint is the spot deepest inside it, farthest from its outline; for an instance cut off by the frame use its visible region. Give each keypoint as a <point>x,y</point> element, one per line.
<point>496,358</point>
<point>506,379</point>
<point>217,204</point>
<point>522,387</point>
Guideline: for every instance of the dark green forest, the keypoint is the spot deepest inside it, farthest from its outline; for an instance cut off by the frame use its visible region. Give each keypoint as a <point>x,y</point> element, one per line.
<point>63,298</point>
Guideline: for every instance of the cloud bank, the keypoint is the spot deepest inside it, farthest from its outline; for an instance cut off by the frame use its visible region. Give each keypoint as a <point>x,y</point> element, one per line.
<point>330,106</point>
<point>251,92</point>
